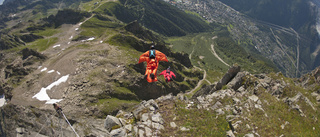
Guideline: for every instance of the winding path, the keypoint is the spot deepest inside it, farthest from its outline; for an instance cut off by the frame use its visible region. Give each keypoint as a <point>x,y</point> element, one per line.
<point>200,82</point>
<point>215,54</point>
<point>205,72</point>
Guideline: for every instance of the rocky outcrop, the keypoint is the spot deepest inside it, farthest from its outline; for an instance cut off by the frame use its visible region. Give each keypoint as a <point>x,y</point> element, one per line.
<point>15,67</point>
<point>149,121</point>
<point>232,72</point>
<point>23,66</point>
<point>243,103</point>
<point>29,52</point>
<point>229,76</point>
<point>236,82</point>
<point>248,93</point>
<point>140,32</point>
<point>29,37</point>
<point>316,74</point>
<point>9,41</point>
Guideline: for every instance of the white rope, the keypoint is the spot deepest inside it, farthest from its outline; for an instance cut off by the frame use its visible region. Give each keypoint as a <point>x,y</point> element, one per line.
<point>60,127</point>
<point>69,123</point>
<point>42,127</point>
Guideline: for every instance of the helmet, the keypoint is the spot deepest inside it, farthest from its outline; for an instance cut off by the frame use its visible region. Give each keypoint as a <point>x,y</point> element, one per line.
<point>152,47</point>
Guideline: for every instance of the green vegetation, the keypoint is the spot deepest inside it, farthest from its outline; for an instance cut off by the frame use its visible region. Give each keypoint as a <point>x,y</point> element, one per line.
<point>91,5</point>
<point>46,32</point>
<point>123,93</point>
<point>43,44</point>
<point>67,16</point>
<point>236,54</point>
<point>97,26</point>
<point>200,47</point>
<point>214,75</point>
<point>168,21</point>
<point>109,106</point>
<point>200,122</point>
<point>270,125</point>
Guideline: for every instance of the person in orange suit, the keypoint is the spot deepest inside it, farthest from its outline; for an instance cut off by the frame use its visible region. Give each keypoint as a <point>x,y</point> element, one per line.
<point>167,74</point>
<point>152,57</point>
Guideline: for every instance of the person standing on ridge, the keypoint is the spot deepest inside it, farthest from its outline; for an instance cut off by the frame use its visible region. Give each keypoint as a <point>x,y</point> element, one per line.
<point>57,108</point>
<point>152,57</point>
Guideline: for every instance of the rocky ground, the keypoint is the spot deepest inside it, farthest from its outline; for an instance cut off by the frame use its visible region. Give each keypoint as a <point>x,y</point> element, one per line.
<point>243,100</point>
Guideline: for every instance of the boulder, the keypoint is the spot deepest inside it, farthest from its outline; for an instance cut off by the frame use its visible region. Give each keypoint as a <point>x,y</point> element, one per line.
<point>248,135</point>
<point>230,134</point>
<point>236,82</point>
<point>232,72</point>
<point>29,37</point>
<point>143,106</point>
<point>205,90</point>
<point>173,125</point>
<point>316,74</point>
<point>110,122</point>
<point>30,52</point>
<point>120,132</point>
<point>157,118</point>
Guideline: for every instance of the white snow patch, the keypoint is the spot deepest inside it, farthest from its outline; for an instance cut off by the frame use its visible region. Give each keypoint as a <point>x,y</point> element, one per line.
<point>2,100</point>
<point>77,29</point>
<point>44,69</point>
<point>51,101</point>
<point>71,37</point>
<point>68,42</point>
<point>56,45</point>
<point>58,72</point>
<point>50,71</point>
<point>43,96</point>
<point>89,39</point>
<point>80,23</point>
<point>39,67</point>
<point>92,38</point>
<point>101,41</point>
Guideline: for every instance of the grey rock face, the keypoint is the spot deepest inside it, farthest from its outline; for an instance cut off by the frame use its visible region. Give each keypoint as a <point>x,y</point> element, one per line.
<point>236,82</point>
<point>232,72</point>
<point>110,122</point>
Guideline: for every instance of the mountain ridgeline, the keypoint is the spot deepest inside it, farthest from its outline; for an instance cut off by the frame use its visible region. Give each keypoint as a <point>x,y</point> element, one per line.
<point>155,15</point>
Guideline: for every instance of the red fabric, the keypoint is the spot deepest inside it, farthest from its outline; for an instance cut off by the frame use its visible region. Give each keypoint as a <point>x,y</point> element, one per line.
<point>167,76</point>
<point>152,64</point>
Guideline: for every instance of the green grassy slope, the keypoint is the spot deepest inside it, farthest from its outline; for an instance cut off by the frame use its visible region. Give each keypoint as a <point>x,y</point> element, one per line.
<point>155,15</point>
<point>199,45</point>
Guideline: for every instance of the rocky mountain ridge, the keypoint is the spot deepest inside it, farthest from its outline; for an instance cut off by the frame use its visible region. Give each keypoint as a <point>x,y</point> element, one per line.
<point>243,99</point>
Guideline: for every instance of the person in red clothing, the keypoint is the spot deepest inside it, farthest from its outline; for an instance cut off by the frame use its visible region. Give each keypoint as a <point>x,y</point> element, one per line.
<point>167,74</point>
<point>152,57</point>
